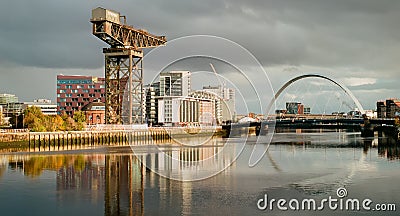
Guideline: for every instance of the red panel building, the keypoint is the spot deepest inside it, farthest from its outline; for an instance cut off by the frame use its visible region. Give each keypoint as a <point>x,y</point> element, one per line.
<point>74,92</point>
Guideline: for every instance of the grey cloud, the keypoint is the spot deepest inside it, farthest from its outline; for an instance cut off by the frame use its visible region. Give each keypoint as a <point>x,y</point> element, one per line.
<point>360,35</point>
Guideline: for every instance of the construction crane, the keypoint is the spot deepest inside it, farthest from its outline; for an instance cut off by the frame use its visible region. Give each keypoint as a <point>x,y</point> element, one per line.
<point>123,65</point>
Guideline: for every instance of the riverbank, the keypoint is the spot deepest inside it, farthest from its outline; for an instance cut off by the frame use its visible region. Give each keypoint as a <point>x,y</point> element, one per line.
<point>54,141</point>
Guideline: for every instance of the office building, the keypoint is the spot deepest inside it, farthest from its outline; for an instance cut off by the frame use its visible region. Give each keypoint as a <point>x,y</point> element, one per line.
<point>388,109</point>
<point>74,92</point>
<point>381,109</point>
<point>392,108</point>
<point>10,105</point>
<point>8,98</point>
<point>307,110</point>
<point>178,111</point>
<point>297,108</point>
<point>152,91</point>
<point>174,106</point>
<point>175,83</point>
<point>292,107</point>
<point>45,105</point>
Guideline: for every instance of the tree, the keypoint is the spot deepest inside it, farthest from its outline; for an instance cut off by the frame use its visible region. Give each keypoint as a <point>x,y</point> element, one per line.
<point>1,117</point>
<point>80,120</point>
<point>34,119</point>
<point>58,123</point>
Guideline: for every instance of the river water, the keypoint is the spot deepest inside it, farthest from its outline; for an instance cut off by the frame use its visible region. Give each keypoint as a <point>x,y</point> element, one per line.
<point>115,181</point>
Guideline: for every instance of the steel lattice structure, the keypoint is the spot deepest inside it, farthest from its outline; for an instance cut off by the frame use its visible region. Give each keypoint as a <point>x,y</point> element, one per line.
<point>123,65</point>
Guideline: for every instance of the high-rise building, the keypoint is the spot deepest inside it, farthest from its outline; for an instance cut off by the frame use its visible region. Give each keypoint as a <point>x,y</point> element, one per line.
<point>177,105</point>
<point>74,92</point>
<point>381,109</point>
<point>392,108</point>
<point>152,91</point>
<point>175,83</point>
<point>388,108</point>
<point>174,106</point>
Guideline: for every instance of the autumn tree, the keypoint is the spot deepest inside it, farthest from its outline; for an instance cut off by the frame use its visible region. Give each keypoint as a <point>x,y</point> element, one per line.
<point>1,118</point>
<point>34,119</point>
<point>80,120</point>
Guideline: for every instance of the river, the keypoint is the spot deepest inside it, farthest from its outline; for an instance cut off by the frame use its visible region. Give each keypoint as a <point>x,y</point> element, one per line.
<point>116,181</point>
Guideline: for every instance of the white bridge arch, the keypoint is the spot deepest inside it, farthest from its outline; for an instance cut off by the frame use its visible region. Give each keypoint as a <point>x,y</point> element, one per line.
<point>288,83</point>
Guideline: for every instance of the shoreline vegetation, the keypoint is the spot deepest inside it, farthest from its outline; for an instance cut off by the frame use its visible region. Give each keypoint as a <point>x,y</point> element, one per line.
<point>36,121</point>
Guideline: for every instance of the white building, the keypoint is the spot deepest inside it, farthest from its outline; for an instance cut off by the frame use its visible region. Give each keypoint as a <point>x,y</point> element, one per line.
<point>178,111</point>
<point>46,106</point>
<point>227,101</point>
<point>175,83</point>
<point>174,105</point>
<point>210,107</point>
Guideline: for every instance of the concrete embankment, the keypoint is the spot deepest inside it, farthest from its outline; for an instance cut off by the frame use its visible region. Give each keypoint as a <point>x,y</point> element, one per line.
<point>53,141</point>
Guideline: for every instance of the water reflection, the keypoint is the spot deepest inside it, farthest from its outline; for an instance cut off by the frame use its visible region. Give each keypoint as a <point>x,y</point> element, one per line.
<point>120,181</point>
<point>389,152</point>
<point>121,184</point>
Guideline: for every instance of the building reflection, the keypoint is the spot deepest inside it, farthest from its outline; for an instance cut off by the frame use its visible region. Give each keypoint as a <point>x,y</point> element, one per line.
<point>123,183</point>
<point>124,192</point>
<point>389,152</point>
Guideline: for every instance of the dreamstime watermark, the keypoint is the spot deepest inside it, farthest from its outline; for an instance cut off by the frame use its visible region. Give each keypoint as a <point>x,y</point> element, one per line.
<point>340,202</point>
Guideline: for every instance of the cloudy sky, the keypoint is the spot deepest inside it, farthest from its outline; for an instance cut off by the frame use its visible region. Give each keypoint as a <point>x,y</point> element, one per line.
<point>356,42</point>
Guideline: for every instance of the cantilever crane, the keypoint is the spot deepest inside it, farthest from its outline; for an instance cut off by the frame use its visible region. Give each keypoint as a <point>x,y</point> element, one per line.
<point>123,64</point>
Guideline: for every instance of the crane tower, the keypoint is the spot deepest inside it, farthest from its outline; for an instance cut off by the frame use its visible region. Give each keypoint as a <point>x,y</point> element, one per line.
<point>123,65</point>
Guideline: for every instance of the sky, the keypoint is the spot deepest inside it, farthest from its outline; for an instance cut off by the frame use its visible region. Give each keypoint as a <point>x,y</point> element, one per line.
<point>356,42</point>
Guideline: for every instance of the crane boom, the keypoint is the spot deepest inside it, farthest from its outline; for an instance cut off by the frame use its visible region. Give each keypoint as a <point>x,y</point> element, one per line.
<point>108,28</point>
<point>117,35</point>
<point>123,65</point>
